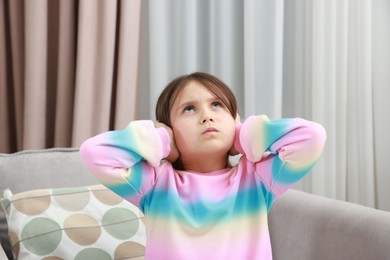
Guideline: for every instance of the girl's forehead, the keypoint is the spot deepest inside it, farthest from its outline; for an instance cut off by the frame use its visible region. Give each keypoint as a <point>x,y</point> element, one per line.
<point>193,89</point>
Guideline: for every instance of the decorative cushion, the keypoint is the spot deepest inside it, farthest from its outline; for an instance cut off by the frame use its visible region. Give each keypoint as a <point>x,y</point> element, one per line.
<point>89,222</point>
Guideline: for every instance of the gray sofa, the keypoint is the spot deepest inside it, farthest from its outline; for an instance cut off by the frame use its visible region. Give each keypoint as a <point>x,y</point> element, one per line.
<point>302,226</point>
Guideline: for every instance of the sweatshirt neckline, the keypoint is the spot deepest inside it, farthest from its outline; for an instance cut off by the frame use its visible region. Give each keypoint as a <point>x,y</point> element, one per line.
<point>213,173</point>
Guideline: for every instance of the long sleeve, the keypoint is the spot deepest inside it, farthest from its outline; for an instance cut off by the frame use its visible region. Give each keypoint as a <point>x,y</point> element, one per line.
<point>283,150</point>
<point>125,161</point>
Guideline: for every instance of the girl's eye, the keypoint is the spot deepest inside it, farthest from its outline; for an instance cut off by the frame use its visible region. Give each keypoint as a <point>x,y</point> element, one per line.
<point>188,109</point>
<point>216,105</point>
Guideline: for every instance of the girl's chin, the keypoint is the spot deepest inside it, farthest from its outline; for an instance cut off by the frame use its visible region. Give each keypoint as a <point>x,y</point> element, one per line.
<point>210,152</point>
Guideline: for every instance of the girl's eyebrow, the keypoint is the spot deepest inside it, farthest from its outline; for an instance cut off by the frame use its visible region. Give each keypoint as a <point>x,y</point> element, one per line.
<point>185,104</point>
<point>190,102</point>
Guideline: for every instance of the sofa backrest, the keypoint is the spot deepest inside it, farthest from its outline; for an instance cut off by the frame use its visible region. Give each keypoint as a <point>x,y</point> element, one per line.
<point>48,168</point>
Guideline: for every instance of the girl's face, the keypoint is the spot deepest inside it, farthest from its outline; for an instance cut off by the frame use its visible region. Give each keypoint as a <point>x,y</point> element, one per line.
<point>201,124</point>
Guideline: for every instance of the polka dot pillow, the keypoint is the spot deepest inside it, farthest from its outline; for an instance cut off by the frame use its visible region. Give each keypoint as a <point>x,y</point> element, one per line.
<point>73,223</point>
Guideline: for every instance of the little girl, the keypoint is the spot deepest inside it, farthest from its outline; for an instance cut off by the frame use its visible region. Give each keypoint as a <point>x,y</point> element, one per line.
<point>176,170</point>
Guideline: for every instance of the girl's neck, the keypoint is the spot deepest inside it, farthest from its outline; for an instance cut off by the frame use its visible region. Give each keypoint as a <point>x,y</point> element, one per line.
<point>204,164</point>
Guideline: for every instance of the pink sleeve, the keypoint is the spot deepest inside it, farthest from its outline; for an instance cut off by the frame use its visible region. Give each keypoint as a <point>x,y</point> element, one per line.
<point>283,150</point>
<point>125,161</point>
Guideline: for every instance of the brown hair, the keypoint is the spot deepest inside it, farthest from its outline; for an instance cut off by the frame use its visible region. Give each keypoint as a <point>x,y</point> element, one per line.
<point>210,82</point>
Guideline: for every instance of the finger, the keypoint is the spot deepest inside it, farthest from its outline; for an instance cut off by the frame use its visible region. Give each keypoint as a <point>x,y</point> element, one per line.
<point>237,119</point>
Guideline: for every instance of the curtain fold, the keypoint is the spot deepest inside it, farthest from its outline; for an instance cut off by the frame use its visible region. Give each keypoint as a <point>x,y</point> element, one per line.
<point>95,67</point>
<point>70,70</point>
<point>332,83</point>
<point>65,69</point>
<point>263,48</point>
<point>12,78</point>
<point>36,73</point>
<point>4,116</point>
<point>381,94</point>
<point>127,65</point>
<point>360,147</point>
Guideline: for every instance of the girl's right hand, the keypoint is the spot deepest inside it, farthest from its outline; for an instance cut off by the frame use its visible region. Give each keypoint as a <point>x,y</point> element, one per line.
<point>233,151</point>
<point>174,154</point>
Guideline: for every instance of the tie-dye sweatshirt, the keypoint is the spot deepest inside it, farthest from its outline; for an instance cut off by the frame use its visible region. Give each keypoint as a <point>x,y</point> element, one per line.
<point>215,215</point>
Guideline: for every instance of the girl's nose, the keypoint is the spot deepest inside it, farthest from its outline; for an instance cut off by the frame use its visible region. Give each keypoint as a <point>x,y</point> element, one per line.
<point>206,117</point>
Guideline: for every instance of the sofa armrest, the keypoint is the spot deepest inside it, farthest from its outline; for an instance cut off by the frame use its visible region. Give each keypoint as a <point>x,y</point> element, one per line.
<point>306,226</point>
<point>46,168</point>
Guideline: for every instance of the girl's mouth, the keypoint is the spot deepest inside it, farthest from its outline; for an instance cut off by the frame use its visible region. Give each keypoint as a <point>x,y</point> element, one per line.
<point>210,130</point>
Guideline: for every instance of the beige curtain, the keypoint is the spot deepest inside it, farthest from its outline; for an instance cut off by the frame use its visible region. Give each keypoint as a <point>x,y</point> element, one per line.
<point>68,70</point>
